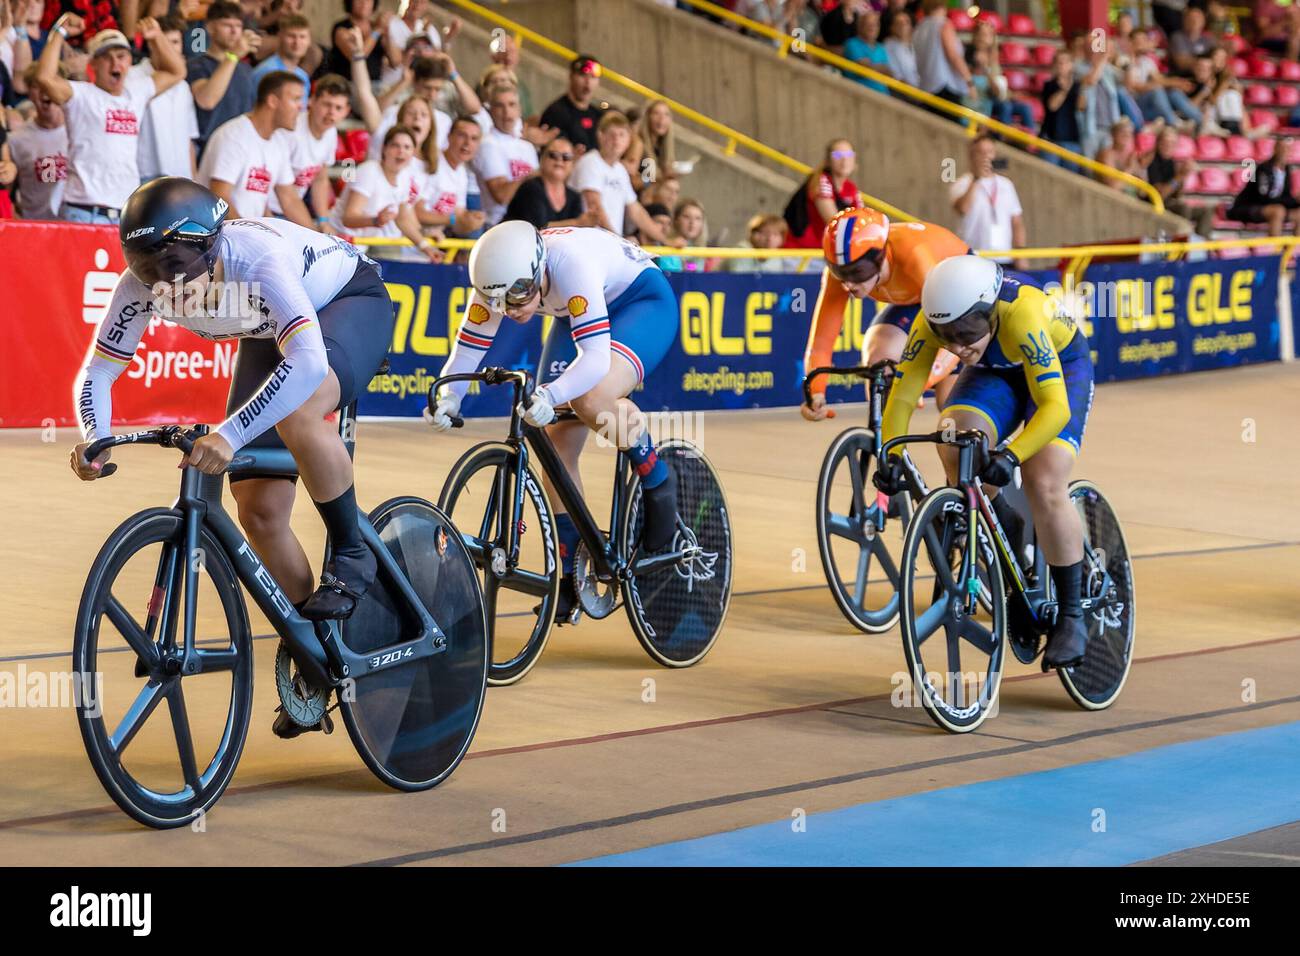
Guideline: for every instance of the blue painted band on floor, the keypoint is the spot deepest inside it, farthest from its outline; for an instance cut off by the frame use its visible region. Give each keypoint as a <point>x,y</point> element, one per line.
<point>1103,813</point>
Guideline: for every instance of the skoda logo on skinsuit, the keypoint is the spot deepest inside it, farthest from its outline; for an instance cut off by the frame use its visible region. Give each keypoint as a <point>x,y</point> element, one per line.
<point>478,313</point>
<point>577,306</point>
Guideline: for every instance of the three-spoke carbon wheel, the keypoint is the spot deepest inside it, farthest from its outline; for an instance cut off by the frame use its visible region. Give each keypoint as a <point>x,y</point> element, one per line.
<point>520,596</point>
<point>953,625</point>
<point>677,610</point>
<point>412,724</point>
<point>163,771</point>
<point>1108,583</point>
<point>856,539</point>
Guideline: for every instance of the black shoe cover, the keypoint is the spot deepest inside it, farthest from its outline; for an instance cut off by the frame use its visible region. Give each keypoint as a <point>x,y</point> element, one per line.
<point>660,515</point>
<point>349,575</point>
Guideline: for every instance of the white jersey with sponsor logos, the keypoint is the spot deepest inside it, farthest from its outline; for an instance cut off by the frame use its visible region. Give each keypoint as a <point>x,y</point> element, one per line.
<point>237,154</point>
<point>586,271</point>
<point>104,137</point>
<point>278,275</point>
<point>307,156</point>
<point>41,156</point>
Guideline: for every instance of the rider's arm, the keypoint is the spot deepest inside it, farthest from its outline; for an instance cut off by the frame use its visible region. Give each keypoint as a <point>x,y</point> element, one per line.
<point>478,328</point>
<point>1024,331</point>
<point>589,326</point>
<point>828,319</point>
<point>297,333</point>
<point>909,380</point>
<point>116,340</point>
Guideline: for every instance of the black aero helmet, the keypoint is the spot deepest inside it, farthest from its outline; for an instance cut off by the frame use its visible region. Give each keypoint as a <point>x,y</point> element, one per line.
<point>169,228</point>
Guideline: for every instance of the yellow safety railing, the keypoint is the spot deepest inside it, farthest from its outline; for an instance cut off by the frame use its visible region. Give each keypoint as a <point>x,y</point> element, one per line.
<point>732,137</point>
<point>974,120</point>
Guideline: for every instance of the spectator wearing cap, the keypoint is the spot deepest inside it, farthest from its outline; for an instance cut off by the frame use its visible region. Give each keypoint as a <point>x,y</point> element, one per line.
<point>574,114</point>
<point>505,159</point>
<point>313,143</point>
<point>170,122</point>
<point>605,184</point>
<point>444,192</point>
<point>40,151</point>
<point>104,117</point>
<point>987,201</point>
<point>245,161</point>
<point>295,43</point>
<point>222,83</point>
<point>547,199</point>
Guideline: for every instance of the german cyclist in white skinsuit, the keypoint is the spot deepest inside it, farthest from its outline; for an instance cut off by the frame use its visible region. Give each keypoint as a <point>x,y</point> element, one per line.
<point>315,323</point>
<point>615,318</point>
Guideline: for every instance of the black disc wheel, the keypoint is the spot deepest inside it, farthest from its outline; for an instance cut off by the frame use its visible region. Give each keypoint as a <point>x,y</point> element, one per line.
<point>163,734</point>
<point>412,724</point>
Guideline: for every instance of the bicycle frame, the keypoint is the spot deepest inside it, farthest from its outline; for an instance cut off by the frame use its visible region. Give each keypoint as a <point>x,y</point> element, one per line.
<point>322,658</point>
<point>604,549</point>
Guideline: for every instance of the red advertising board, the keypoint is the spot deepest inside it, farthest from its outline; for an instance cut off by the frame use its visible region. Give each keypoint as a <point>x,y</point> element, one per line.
<point>56,280</point>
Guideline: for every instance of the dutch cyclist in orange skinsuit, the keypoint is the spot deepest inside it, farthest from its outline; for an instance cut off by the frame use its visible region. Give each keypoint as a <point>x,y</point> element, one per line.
<point>867,255</point>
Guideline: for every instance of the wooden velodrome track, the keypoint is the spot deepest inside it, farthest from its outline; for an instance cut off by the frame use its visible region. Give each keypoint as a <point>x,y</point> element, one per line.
<point>790,712</point>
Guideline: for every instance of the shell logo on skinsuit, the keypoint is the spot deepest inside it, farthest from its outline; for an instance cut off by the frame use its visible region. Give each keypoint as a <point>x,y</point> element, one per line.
<point>478,313</point>
<point>577,306</point>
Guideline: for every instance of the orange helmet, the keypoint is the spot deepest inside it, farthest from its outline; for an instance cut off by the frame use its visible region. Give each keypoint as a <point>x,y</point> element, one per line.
<point>854,244</point>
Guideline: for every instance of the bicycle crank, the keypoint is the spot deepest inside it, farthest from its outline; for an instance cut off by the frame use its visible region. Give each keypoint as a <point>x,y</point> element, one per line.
<point>305,707</point>
<point>598,598</point>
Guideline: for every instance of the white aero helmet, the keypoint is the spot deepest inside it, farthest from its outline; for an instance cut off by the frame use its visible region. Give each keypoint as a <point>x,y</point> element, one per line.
<point>958,298</point>
<point>506,265</point>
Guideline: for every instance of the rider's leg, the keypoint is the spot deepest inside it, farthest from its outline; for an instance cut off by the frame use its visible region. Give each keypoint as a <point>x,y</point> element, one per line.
<point>265,505</point>
<point>568,439</point>
<point>984,400</point>
<point>1060,535</point>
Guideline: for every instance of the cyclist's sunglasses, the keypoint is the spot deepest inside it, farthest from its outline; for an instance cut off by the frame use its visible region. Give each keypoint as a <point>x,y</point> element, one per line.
<point>862,270</point>
<point>521,293</point>
<point>968,329</point>
<point>186,257</point>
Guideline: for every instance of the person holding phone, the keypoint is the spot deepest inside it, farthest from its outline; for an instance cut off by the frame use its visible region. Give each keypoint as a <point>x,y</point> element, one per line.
<point>987,201</point>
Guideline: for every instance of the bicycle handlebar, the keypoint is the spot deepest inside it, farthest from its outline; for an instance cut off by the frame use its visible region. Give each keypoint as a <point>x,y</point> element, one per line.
<point>873,372</point>
<point>168,436</point>
<point>961,439</point>
<point>493,375</point>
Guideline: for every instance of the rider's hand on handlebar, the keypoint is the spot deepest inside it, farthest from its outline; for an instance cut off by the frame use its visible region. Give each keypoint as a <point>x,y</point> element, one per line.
<point>211,454</point>
<point>818,410</point>
<point>541,410</point>
<point>1000,469</point>
<point>448,407</point>
<point>88,470</point>
<point>889,476</point>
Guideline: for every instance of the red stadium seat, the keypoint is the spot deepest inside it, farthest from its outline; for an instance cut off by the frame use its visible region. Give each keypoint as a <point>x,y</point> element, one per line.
<point>1294,157</point>
<point>1039,80</point>
<point>1263,69</point>
<point>988,16</point>
<point>1036,110</point>
<point>1213,180</point>
<point>358,144</point>
<point>1239,148</point>
<point>1263,119</point>
<point>1044,53</point>
<point>1288,70</point>
<point>1016,54</point>
<point>1017,80</point>
<point>1240,67</point>
<point>1019,25</point>
<point>1145,141</point>
<point>1262,149</point>
<point>1192,182</point>
<point>1185,148</point>
<point>1259,95</point>
<point>1234,43</point>
<point>1239,177</point>
<point>1287,95</point>
<point>961,20</point>
<point>1210,149</point>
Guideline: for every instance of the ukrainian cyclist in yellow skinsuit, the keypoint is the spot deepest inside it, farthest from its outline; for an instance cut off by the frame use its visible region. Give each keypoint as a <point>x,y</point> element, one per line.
<point>1024,361</point>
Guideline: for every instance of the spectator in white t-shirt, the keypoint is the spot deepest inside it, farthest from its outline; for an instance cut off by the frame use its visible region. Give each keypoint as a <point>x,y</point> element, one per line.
<point>103,117</point>
<point>313,143</point>
<point>605,185</point>
<point>505,159</point>
<point>377,202</point>
<point>170,122</point>
<point>40,150</point>
<point>988,202</point>
<point>428,78</point>
<point>244,159</point>
<point>444,194</point>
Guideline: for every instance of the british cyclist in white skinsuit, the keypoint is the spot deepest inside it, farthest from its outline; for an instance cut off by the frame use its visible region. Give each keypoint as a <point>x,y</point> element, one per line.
<point>314,323</point>
<point>615,318</point>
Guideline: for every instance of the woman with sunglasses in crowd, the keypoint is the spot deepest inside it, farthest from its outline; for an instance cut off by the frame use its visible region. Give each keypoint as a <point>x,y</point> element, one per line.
<point>546,199</point>
<point>615,318</point>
